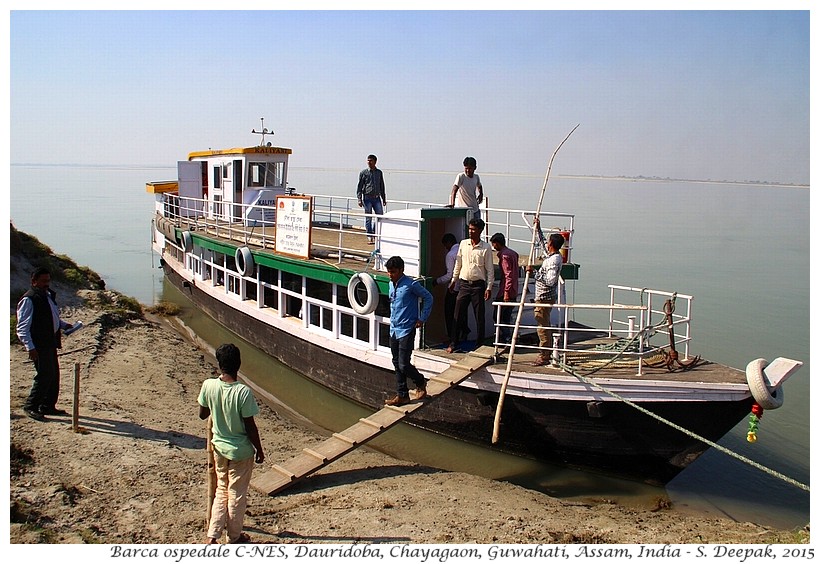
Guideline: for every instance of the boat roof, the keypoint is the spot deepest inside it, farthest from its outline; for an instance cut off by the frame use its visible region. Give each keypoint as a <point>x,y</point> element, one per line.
<point>259,150</point>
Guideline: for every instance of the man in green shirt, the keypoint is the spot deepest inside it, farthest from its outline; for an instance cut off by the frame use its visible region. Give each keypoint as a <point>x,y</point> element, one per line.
<point>231,406</point>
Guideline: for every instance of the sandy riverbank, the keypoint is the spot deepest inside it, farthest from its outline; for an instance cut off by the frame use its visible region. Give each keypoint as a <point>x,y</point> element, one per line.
<point>134,473</point>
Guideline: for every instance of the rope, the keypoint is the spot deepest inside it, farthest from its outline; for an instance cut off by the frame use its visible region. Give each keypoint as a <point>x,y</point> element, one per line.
<point>712,444</point>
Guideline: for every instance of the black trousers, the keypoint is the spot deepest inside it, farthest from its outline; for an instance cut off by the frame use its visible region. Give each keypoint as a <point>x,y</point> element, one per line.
<point>46,386</point>
<point>469,292</point>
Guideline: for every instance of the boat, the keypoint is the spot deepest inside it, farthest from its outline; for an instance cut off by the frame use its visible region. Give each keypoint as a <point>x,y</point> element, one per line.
<point>296,275</point>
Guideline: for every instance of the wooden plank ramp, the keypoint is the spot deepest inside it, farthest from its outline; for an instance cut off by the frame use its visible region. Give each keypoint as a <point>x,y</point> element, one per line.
<point>281,476</point>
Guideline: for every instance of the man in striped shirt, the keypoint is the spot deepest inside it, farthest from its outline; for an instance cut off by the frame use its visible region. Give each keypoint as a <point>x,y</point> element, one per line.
<point>546,289</point>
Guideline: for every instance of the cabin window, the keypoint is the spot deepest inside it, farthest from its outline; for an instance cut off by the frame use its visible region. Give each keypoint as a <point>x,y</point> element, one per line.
<point>355,327</point>
<point>292,282</point>
<point>293,304</point>
<point>217,177</point>
<point>270,298</point>
<point>265,175</point>
<point>383,309</point>
<point>233,284</point>
<point>320,290</point>
<point>319,315</point>
<point>384,334</point>
<point>269,275</point>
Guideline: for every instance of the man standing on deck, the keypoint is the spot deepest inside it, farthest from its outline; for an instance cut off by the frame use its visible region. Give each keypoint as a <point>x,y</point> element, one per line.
<point>38,328</point>
<point>451,245</point>
<point>370,194</point>
<point>405,318</point>
<point>507,284</point>
<point>467,189</point>
<point>546,289</point>
<point>235,440</point>
<point>475,274</point>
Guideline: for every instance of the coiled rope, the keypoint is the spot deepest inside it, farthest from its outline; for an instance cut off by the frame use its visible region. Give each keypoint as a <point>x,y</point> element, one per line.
<point>712,444</point>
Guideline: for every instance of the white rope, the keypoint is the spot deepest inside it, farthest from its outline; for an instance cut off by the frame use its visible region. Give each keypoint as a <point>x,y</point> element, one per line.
<point>712,444</point>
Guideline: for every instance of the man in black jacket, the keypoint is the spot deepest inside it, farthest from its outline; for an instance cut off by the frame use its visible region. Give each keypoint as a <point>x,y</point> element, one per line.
<point>38,328</point>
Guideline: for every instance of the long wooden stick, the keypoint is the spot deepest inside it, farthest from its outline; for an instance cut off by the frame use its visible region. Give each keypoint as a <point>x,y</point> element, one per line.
<point>75,405</point>
<point>210,473</point>
<point>530,258</point>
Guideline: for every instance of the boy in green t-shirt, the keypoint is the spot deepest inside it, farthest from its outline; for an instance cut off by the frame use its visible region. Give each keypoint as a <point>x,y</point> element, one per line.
<point>231,406</point>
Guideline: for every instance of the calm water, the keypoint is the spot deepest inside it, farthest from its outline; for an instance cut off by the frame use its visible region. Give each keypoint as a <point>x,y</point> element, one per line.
<point>742,251</point>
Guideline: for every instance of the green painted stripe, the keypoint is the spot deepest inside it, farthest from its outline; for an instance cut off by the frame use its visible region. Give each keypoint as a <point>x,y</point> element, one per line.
<point>314,270</point>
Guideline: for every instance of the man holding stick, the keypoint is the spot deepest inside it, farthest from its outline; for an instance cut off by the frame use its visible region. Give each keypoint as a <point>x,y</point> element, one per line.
<point>235,439</point>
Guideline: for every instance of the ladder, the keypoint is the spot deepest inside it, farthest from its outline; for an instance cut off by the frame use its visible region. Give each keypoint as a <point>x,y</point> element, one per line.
<point>279,477</point>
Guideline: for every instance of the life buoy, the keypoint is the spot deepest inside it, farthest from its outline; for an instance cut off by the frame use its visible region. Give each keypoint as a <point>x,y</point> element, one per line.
<point>767,399</point>
<point>167,228</point>
<point>244,261</point>
<point>187,241</point>
<point>369,306</point>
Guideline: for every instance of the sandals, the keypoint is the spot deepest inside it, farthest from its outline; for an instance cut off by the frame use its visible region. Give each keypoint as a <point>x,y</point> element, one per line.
<point>243,538</point>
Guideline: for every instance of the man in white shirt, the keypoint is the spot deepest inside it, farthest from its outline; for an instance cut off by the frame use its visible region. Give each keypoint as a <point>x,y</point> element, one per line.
<point>475,274</point>
<point>451,245</point>
<point>467,189</point>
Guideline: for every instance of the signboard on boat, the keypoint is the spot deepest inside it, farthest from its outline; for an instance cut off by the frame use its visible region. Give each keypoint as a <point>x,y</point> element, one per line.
<point>293,215</point>
<point>260,206</point>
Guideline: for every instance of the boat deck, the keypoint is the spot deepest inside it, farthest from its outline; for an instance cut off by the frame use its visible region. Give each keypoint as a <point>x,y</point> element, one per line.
<point>583,362</point>
<point>346,246</point>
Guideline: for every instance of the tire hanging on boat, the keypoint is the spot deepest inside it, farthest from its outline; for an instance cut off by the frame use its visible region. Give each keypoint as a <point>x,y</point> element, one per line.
<point>364,279</point>
<point>187,241</point>
<point>766,398</point>
<point>244,261</point>
<point>166,227</point>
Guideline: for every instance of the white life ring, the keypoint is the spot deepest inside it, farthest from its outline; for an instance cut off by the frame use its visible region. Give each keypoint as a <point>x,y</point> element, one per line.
<point>244,261</point>
<point>187,241</point>
<point>372,293</point>
<point>767,399</point>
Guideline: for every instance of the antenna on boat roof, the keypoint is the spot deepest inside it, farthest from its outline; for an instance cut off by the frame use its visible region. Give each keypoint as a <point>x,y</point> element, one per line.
<point>263,132</point>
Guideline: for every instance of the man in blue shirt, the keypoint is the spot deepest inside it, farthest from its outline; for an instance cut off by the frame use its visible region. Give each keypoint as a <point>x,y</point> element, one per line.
<point>405,318</point>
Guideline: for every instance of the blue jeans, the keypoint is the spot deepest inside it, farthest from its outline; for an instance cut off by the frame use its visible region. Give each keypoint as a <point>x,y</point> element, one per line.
<point>372,205</point>
<point>402,349</point>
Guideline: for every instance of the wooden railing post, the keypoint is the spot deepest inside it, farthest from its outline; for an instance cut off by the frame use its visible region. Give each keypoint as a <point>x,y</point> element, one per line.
<point>75,415</point>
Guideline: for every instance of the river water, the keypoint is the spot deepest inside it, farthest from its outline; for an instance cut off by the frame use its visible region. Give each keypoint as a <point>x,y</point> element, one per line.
<point>741,250</point>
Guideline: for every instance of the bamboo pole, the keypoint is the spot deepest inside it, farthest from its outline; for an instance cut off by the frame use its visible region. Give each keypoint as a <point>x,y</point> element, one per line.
<point>210,473</point>
<point>530,258</point>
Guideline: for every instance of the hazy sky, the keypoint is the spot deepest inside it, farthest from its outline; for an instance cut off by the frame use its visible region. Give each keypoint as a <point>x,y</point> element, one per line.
<point>718,95</point>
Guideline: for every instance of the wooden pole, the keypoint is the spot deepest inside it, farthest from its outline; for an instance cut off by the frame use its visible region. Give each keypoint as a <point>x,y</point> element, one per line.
<point>210,473</point>
<point>530,258</point>
<point>75,408</point>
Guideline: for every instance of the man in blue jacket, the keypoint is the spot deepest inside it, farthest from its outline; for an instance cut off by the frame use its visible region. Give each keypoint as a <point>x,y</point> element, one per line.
<point>405,318</point>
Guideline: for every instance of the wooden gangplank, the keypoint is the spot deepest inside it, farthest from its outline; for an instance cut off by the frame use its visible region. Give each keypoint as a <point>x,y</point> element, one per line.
<point>281,476</point>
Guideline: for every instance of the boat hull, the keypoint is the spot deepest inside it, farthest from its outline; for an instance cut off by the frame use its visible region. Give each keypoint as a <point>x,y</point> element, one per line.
<point>612,437</point>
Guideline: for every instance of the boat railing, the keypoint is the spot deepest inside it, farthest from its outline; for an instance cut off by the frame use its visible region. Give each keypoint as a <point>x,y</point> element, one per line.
<point>255,224</point>
<point>637,327</point>
<point>512,223</point>
<point>334,215</point>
